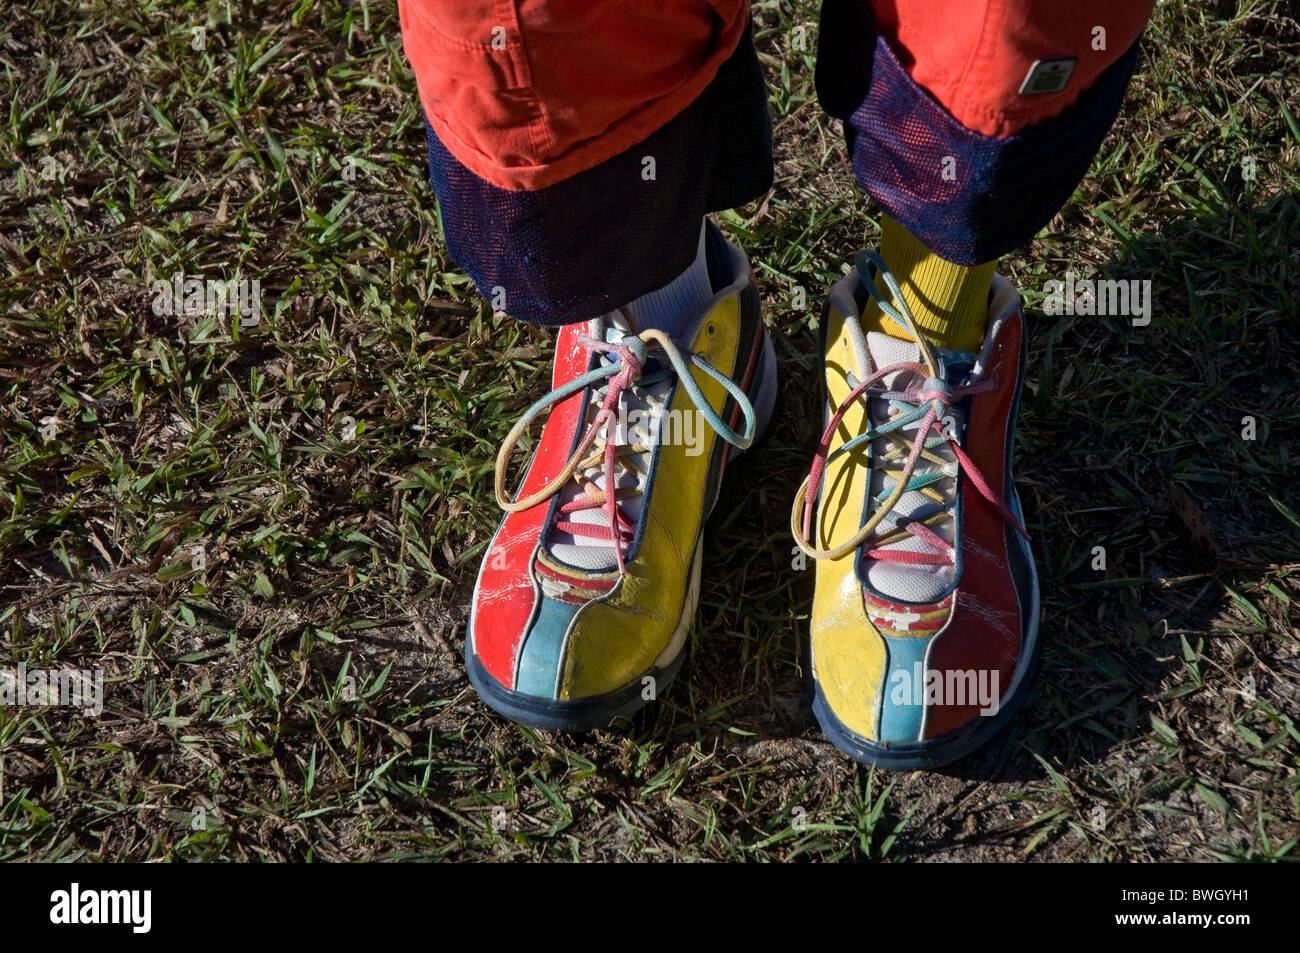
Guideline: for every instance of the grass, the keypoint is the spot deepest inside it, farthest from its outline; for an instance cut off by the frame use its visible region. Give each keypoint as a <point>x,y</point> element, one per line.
<point>297,693</point>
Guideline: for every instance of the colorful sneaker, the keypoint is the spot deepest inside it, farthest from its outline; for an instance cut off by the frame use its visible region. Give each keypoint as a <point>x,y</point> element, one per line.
<point>925,615</point>
<point>585,595</point>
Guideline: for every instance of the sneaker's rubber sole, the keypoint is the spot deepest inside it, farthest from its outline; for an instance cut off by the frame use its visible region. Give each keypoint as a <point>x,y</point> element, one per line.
<point>599,711</point>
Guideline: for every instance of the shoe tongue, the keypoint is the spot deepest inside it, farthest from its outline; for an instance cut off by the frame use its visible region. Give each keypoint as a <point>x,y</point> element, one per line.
<point>893,580</point>
<point>644,403</point>
<point>886,349</point>
<point>617,326</point>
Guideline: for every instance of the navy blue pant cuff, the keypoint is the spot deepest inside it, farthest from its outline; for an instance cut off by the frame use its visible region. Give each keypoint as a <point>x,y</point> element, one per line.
<point>969,197</point>
<point>604,237</point>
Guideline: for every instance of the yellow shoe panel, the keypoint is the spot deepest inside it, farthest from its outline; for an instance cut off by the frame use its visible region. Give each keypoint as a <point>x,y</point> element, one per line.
<point>848,654</point>
<point>615,640</point>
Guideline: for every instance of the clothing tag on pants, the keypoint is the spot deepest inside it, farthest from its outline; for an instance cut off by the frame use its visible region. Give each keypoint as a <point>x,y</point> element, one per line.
<point>1048,76</point>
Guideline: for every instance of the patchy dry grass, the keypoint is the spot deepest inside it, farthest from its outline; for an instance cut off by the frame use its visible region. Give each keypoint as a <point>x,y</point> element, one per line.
<point>297,691</point>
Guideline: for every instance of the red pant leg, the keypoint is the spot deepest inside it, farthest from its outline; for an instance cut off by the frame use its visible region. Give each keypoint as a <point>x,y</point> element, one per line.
<point>975,58</point>
<point>526,94</point>
<point>971,123</point>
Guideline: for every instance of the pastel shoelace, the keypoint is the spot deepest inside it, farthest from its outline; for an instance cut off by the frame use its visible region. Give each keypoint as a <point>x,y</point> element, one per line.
<point>926,400</point>
<point>615,375</point>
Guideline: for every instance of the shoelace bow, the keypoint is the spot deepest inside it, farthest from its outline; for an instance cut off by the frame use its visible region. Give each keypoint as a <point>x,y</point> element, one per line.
<point>624,371</point>
<point>927,400</point>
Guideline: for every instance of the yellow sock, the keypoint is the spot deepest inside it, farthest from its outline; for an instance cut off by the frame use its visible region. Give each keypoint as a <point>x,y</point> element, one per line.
<point>949,302</point>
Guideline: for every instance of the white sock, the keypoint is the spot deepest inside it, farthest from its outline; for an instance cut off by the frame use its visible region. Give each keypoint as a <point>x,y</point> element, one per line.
<point>681,300</point>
